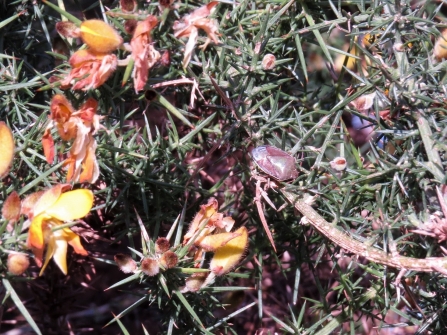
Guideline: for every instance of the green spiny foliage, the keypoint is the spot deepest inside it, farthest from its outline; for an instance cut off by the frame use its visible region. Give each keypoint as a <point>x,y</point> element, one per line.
<point>163,164</point>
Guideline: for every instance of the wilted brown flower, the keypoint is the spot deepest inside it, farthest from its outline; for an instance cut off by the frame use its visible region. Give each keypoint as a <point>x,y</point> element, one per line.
<point>79,126</point>
<point>169,259</point>
<point>125,263</point>
<point>162,245</point>
<point>440,48</point>
<point>338,163</point>
<point>128,6</point>
<point>150,266</point>
<point>268,62</point>
<point>12,207</point>
<point>436,226</point>
<point>17,263</point>
<point>68,29</point>
<point>90,69</point>
<point>143,52</point>
<point>195,282</point>
<point>189,27</point>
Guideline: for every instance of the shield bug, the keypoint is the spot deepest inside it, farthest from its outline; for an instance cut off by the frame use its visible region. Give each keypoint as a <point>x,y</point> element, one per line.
<point>275,162</point>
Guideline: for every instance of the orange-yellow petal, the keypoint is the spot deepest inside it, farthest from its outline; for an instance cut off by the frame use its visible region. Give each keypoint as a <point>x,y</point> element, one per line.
<point>83,56</point>
<point>38,256</point>
<point>48,146</point>
<point>68,130</point>
<point>100,36</point>
<point>56,249</point>
<point>229,255</point>
<point>60,108</point>
<point>35,233</point>
<point>60,251</point>
<point>71,205</point>
<point>70,162</point>
<point>216,241</point>
<point>206,212</point>
<point>440,49</point>
<point>6,149</point>
<point>74,241</point>
<point>51,247</point>
<point>88,110</point>
<point>90,168</point>
<point>48,198</point>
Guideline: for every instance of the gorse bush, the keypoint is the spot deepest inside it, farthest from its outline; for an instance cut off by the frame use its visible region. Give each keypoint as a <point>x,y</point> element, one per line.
<point>126,156</point>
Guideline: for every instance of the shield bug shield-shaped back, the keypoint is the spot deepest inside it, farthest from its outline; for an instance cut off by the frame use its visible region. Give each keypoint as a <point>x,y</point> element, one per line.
<point>275,162</point>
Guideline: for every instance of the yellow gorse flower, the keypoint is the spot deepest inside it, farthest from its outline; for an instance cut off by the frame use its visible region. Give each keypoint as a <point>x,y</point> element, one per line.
<point>48,212</point>
<point>6,149</point>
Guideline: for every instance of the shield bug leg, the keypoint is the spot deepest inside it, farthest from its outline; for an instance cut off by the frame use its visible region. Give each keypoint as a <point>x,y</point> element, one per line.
<point>261,212</point>
<point>278,166</point>
<point>265,195</point>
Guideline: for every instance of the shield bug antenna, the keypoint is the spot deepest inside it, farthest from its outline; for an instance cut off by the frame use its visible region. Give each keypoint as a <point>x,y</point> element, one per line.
<point>277,164</point>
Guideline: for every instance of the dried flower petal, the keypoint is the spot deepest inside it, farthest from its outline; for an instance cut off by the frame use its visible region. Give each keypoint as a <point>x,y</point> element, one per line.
<point>227,223</point>
<point>189,47</point>
<point>364,102</point>
<point>12,207</point>
<point>143,53</point>
<point>189,27</point>
<point>90,69</point>
<point>68,29</point>
<point>205,213</point>
<point>29,202</point>
<point>79,125</point>
<point>48,146</point>
<point>60,108</point>
<point>195,282</point>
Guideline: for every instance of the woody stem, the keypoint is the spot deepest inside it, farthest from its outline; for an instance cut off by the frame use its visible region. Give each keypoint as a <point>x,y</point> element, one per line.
<point>374,254</point>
